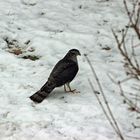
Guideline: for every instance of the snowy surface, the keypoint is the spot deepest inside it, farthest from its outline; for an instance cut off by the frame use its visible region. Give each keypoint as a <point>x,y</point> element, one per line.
<point>53,27</point>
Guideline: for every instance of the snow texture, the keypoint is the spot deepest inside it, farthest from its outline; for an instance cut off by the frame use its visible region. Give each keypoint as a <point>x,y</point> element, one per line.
<point>50,28</point>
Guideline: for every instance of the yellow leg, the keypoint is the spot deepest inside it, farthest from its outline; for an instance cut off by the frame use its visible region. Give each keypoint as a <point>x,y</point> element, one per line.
<point>71,90</point>
<point>65,88</point>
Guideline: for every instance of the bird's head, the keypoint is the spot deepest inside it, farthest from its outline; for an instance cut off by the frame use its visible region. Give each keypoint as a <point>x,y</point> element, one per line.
<point>74,52</point>
<point>72,55</point>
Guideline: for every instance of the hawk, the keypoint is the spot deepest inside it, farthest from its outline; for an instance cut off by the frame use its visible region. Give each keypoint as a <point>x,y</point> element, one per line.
<point>62,74</point>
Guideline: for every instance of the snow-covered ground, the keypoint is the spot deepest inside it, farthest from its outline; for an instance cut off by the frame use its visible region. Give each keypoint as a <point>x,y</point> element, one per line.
<point>52,27</point>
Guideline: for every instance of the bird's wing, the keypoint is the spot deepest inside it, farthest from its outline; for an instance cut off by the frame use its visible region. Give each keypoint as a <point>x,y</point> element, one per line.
<point>63,72</point>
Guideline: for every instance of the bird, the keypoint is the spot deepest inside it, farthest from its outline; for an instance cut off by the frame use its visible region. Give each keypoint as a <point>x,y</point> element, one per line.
<point>63,73</point>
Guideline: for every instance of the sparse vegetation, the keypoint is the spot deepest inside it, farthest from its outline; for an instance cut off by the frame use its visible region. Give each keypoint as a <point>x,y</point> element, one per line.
<point>104,105</point>
<point>129,53</point>
<point>31,57</point>
<point>14,47</point>
<point>131,66</point>
<point>129,46</point>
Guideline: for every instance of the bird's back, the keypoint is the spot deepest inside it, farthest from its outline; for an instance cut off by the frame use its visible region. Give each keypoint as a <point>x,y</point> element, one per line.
<point>63,72</point>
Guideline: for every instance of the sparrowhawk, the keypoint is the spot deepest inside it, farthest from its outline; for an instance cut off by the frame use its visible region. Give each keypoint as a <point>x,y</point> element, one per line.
<point>62,74</point>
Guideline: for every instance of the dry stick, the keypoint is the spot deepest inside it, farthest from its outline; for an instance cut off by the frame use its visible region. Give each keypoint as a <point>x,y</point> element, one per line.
<point>138,15</point>
<point>134,54</point>
<point>106,102</point>
<point>124,45</point>
<point>131,14</point>
<point>128,101</point>
<point>136,27</point>
<point>107,116</point>
<point>122,81</point>
<point>119,43</point>
<point>136,65</point>
<point>136,101</point>
<point>123,37</point>
<point>124,49</point>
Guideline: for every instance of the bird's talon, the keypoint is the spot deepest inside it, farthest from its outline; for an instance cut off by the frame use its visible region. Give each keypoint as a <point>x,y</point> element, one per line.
<point>74,91</point>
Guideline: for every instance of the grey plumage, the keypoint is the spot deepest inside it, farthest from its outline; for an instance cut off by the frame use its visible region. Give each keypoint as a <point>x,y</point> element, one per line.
<point>63,73</point>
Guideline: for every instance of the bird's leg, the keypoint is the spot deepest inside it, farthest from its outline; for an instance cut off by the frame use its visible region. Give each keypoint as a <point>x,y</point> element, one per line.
<point>65,88</point>
<point>71,90</point>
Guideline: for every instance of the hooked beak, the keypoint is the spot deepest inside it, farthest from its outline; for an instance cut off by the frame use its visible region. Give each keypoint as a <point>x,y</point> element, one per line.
<point>79,53</point>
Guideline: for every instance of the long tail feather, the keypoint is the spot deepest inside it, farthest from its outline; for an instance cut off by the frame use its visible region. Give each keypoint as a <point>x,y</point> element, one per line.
<point>40,95</point>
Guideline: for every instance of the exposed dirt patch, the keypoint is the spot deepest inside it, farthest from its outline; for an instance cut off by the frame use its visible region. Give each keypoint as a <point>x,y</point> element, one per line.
<point>16,48</point>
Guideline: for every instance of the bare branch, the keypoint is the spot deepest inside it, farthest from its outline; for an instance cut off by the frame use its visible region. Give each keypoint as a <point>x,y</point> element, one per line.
<point>113,121</point>
<point>127,100</point>
<point>131,15</point>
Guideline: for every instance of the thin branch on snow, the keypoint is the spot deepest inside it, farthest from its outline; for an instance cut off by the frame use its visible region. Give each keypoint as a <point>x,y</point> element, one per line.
<point>134,21</point>
<point>131,103</point>
<point>134,16</point>
<point>130,60</point>
<point>102,106</point>
<point>108,113</point>
<point>133,66</point>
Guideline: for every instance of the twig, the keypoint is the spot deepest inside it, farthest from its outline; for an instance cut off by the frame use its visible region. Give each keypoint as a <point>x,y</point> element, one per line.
<point>132,14</point>
<point>128,101</point>
<point>134,54</point>
<point>114,122</point>
<point>120,46</point>
<point>99,101</point>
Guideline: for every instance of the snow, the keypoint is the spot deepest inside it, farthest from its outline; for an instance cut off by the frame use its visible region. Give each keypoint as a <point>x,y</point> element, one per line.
<point>53,27</point>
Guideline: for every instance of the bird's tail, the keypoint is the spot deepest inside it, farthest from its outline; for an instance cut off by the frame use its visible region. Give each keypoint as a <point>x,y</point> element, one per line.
<point>40,95</point>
